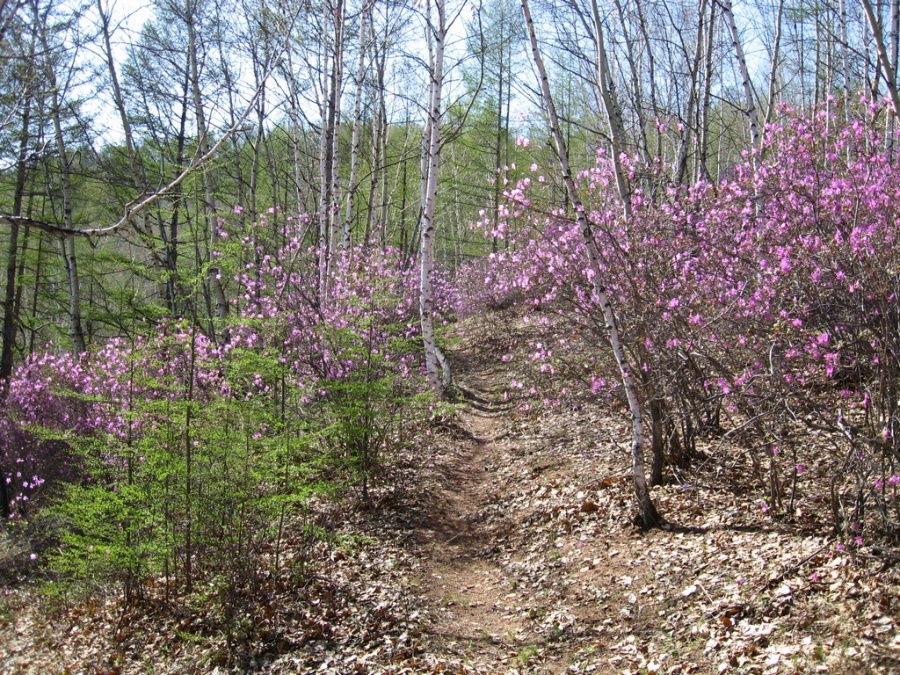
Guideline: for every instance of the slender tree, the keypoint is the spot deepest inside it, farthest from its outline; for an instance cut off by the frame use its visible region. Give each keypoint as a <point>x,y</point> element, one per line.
<point>884,60</point>
<point>746,84</point>
<point>435,36</point>
<point>647,513</point>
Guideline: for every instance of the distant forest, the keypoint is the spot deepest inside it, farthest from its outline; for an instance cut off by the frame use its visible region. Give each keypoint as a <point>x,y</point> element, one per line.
<point>133,140</point>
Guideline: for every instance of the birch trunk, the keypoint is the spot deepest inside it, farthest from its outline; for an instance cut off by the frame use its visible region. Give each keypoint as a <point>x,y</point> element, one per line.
<point>379,143</point>
<point>431,157</point>
<point>845,57</point>
<point>703,150</point>
<point>337,83</point>
<point>647,514</point>
<point>749,101</point>
<point>347,225</point>
<point>773,72</point>
<point>330,122</point>
<point>71,260</point>
<point>294,115</point>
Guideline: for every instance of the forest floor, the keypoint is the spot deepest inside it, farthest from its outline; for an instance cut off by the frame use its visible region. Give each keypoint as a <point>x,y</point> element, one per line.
<point>501,542</point>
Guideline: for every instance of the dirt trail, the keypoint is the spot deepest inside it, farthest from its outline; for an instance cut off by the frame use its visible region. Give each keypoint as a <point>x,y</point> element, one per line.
<point>463,580</point>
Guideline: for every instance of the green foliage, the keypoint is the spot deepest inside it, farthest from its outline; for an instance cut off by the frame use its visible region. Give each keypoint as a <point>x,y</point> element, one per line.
<point>190,488</point>
<point>359,409</point>
<point>191,494</point>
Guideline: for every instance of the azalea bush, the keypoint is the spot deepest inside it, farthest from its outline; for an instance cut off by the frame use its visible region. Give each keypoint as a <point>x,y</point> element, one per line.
<point>46,404</point>
<point>177,479</point>
<point>761,310</point>
<point>186,458</point>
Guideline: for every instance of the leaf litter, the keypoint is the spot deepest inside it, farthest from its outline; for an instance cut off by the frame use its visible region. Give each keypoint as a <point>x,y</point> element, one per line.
<point>501,542</point>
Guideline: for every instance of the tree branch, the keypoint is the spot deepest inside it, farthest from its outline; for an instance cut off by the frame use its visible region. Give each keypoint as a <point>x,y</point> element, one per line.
<point>144,202</point>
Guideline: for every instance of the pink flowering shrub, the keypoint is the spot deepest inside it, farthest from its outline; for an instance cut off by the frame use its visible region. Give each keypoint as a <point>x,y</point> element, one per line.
<point>46,403</point>
<point>182,454</point>
<point>55,402</point>
<point>764,307</point>
<point>281,308</point>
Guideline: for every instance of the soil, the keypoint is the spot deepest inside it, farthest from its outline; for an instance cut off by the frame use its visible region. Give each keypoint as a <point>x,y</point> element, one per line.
<point>501,541</point>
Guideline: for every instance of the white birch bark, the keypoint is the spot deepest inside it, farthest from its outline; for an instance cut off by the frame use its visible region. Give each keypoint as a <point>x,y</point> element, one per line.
<point>613,112</point>
<point>647,514</point>
<point>340,20</point>
<point>749,101</point>
<point>845,56</point>
<point>776,56</point>
<point>347,224</point>
<point>431,157</point>
<point>703,150</point>
<point>328,213</point>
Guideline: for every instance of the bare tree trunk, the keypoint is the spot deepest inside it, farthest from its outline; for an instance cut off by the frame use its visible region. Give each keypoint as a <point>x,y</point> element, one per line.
<point>337,94</point>
<point>749,101</point>
<point>613,111</point>
<point>773,71</point>
<point>379,143</point>
<point>431,158</point>
<point>330,122</point>
<point>499,138</point>
<point>138,178</point>
<point>10,315</point>
<point>119,101</point>
<point>894,39</point>
<point>65,170</point>
<point>845,57</point>
<point>294,116</point>
<point>636,84</point>
<point>78,344</point>
<point>349,216</point>
<point>647,514</point>
<point>882,54</point>
<point>13,290</point>
<point>209,202</point>
<point>817,68</point>
<point>168,232</point>
<point>684,145</point>
<point>651,66</point>
<point>8,11</point>
<point>703,149</point>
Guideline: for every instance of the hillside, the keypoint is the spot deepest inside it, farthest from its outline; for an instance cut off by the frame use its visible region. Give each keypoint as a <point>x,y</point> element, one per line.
<point>501,542</point>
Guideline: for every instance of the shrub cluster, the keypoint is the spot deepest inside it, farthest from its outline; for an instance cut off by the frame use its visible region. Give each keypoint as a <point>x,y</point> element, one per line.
<point>763,308</point>
<point>169,459</point>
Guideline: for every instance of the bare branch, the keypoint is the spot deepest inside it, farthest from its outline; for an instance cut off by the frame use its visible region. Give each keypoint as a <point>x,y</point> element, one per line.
<point>144,202</point>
